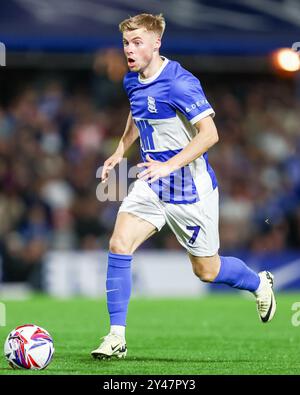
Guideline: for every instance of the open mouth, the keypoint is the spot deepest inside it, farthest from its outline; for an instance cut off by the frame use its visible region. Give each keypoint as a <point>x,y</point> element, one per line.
<point>130,62</point>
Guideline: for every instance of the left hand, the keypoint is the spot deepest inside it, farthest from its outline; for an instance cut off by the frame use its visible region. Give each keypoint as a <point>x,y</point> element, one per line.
<point>154,170</point>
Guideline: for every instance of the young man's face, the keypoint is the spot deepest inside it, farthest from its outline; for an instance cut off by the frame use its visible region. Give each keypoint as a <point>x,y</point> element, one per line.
<point>139,47</point>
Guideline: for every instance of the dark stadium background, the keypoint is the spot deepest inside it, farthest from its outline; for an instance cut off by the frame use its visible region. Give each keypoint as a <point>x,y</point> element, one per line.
<point>63,108</point>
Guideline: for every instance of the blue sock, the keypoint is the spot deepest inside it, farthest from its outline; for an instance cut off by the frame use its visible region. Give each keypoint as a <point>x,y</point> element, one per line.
<point>237,274</point>
<point>118,287</point>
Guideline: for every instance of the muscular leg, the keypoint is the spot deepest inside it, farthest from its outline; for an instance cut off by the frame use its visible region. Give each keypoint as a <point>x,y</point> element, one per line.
<point>225,270</point>
<point>129,233</point>
<point>235,273</point>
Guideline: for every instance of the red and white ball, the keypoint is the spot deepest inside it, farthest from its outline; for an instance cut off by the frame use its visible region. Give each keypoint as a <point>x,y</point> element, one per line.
<point>29,347</point>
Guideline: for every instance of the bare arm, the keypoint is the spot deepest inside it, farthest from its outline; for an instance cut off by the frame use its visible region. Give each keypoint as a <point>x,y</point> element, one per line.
<point>206,137</point>
<point>129,136</point>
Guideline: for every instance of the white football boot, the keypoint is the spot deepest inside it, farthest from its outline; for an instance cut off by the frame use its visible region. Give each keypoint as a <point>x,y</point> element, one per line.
<point>265,299</point>
<point>112,346</point>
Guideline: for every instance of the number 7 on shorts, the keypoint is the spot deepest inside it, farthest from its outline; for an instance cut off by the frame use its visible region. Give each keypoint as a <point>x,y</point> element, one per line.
<point>195,234</point>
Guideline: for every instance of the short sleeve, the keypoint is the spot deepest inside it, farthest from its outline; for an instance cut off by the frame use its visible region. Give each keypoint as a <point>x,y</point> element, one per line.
<point>187,96</point>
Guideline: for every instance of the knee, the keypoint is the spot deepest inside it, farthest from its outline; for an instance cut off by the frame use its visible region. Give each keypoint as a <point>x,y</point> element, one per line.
<point>118,245</point>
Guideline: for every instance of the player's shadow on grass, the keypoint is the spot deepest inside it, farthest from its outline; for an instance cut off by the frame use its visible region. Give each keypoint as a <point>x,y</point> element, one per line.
<point>88,360</point>
<point>186,360</point>
<point>175,360</point>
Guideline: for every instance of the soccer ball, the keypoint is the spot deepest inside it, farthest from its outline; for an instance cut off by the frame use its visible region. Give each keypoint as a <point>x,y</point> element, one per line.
<point>29,347</point>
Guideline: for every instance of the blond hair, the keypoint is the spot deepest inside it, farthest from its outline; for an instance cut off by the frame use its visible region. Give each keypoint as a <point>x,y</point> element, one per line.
<point>152,23</point>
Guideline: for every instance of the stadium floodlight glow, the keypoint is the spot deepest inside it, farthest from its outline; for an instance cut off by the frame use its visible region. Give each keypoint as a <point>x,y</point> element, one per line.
<point>286,59</point>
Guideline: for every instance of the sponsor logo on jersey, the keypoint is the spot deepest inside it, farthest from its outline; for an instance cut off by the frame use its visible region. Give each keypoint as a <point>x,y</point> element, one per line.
<point>193,106</point>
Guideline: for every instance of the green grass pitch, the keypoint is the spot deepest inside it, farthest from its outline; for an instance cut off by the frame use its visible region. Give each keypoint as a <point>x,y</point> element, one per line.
<point>216,334</point>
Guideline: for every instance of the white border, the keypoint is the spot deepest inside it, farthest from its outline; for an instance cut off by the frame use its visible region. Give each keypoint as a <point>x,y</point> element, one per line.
<point>203,114</point>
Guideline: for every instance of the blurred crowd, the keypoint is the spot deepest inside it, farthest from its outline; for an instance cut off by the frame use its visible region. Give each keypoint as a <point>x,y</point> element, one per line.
<point>53,139</point>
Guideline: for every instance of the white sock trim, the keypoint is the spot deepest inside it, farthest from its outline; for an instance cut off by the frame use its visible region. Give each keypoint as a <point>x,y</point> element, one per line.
<point>118,330</point>
<point>260,286</point>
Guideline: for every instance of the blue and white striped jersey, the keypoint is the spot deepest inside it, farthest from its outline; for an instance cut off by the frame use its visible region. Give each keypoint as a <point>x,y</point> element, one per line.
<point>164,108</point>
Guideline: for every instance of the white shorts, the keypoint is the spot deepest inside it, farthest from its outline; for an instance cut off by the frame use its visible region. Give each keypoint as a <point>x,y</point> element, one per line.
<point>196,225</point>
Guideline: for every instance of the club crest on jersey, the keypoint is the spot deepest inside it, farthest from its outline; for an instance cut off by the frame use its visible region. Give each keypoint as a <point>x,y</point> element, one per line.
<point>151,104</point>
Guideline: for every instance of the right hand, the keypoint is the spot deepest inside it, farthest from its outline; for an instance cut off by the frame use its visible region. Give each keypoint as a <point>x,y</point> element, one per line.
<point>109,164</point>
